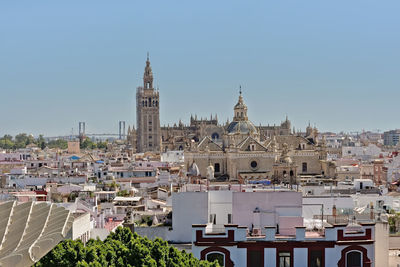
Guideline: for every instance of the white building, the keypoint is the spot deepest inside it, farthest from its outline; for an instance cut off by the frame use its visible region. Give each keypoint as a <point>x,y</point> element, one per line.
<point>175,156</point>
<point>251,209</point>
<point>362,152</point>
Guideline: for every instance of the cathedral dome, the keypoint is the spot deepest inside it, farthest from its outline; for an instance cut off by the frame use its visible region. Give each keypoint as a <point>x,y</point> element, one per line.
<point>241,123</point>
<point>242,127</point>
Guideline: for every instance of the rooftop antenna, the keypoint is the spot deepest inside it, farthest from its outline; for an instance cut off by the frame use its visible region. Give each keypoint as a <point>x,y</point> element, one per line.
<point>147,56</point>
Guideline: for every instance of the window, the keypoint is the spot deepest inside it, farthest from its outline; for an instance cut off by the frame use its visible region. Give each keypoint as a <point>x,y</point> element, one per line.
<point>284,259</point>
<point>217,167</point>
<point>213,218</point>
<point>353,259</point>
<point>211,257</point>
<point>253,164</point>
<point>150,137</point>
<point>215,136</point>
<point>304,166</point>
<point>229,218</point>
<point>255,258</point>
<point>315,258</point>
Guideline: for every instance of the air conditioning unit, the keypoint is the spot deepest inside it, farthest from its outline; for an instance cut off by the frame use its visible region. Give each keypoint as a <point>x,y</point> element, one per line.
<point>256,231</point>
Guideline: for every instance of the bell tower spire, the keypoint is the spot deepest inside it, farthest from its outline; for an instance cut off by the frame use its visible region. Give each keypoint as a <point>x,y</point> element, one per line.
<point>148,114</point>
<point>148,75</point>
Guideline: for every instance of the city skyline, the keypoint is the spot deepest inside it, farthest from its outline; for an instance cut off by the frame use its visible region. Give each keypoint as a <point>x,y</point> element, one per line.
<point>64,63</point>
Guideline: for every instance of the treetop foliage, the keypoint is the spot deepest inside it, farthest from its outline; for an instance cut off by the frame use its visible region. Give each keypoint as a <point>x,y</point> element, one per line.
<point>122,248</point>
<point>22,140</point>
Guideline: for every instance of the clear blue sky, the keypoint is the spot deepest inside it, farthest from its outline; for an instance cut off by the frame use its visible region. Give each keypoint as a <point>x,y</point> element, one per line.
<point>334,63</point>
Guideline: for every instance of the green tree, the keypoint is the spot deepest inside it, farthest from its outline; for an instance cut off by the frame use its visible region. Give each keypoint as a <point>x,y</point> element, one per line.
<point>88,144</point>
<point>21,140</point>
<point>59,143</point>
<point>40,142</point>
<point>102,145</point>
<point>121,248</point>
<point>6,143</point>
<point>7,137</point>
<point>123,193</point>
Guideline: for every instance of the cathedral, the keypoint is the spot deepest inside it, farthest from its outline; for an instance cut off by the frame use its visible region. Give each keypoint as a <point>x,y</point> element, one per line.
<point>244,152</point>
<point>179,137</point>
<point>236,149</point>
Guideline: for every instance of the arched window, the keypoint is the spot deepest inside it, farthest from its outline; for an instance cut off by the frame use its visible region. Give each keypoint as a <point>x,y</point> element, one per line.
<point>291,173</point>
<point>353,259</point>
<point>156,103</point>
<point>212,256</point>
<point>215,136</point>
<point>143,103</point>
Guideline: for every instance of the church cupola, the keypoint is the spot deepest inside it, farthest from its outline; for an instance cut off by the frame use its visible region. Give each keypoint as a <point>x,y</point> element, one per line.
<point>240,109</point>
<point>148,75</point>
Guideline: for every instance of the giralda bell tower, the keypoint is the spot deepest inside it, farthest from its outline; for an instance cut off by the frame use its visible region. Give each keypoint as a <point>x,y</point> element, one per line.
<point>148,114</point>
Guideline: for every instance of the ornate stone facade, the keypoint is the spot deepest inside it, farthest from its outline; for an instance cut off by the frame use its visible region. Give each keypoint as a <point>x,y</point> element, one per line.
<point>181,137</point>
<point>221,140</point>
<point>241,152</point>
<point>148,114</point>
